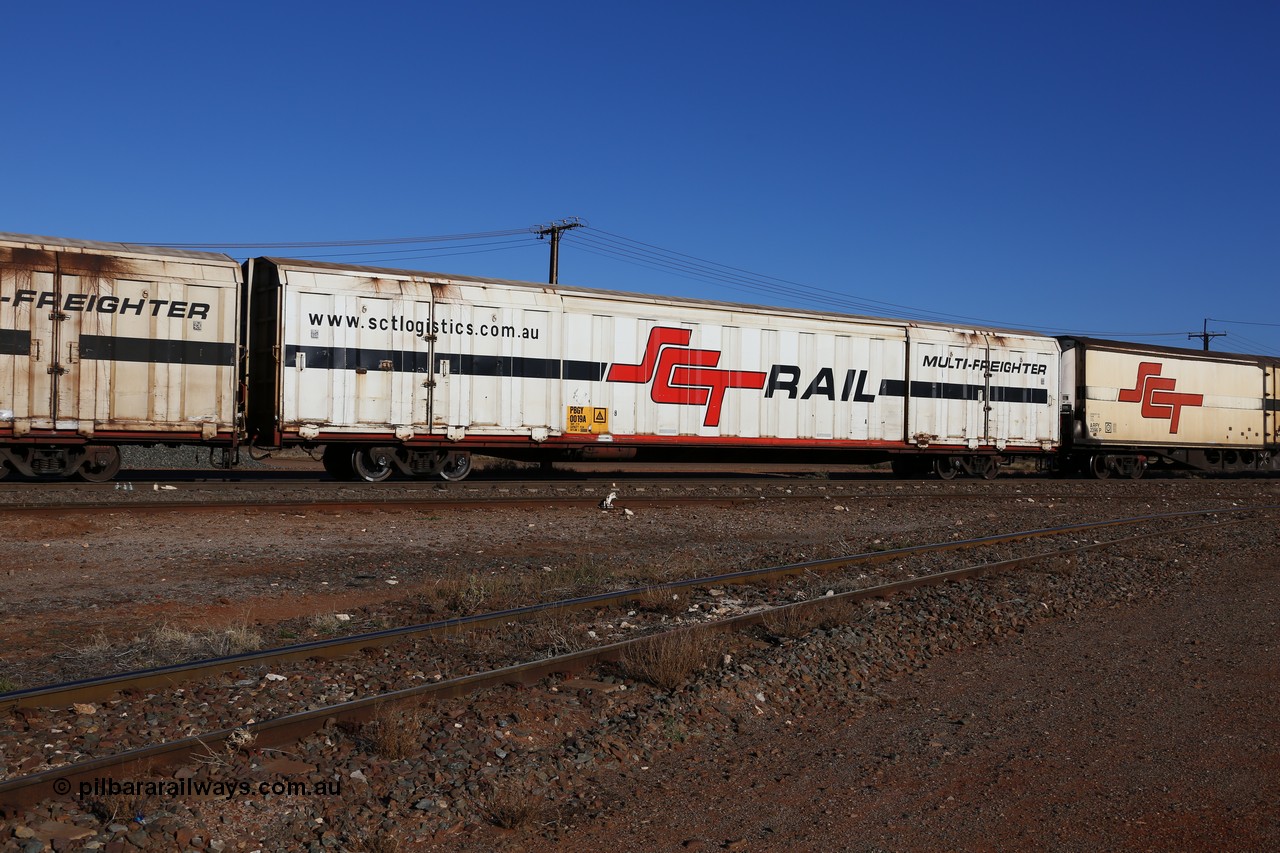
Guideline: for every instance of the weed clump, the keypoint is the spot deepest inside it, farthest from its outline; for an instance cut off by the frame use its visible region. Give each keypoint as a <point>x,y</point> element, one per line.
<point>668,660</point>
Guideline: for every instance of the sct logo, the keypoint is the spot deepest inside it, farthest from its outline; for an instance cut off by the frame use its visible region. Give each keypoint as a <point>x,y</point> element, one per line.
<point>1156,395</point>
<point>684,376</point>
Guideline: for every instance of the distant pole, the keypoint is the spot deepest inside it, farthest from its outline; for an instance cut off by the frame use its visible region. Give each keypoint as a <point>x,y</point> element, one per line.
<point>1205,334</point>
<point>554,230</point>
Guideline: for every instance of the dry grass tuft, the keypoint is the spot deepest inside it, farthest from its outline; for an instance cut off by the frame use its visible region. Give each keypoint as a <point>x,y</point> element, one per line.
<point>837,613</point>
<point>668,660</point>
<point>556,632</point>
<point>791,622</point>
<point>378,842</point>
<point>464,594</point>
<point>511,805</point>
<point>176,644</point>
<point>326,623</point>
<point>392,734</point>
<point>238,740</point>
<point>118,808</point>
<point>663,601</point>
<point>163,645</point>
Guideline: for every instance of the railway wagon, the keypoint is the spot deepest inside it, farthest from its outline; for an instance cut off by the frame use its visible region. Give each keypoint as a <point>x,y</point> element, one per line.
<point>395,370</point>
<point>105,344</point>
<point>1130,406</point>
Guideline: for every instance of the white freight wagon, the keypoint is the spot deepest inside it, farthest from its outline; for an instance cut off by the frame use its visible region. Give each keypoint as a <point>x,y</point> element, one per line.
<point>1203,409</point>
<point>395,369</point>
<point>104,344</point>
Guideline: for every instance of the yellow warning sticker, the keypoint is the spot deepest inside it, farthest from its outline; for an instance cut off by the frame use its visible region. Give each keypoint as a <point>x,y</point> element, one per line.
<point>587,419</point>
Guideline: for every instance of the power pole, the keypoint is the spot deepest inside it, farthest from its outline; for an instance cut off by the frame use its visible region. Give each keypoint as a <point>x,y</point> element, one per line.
<point>1205,334</point>
<point>554,230</point>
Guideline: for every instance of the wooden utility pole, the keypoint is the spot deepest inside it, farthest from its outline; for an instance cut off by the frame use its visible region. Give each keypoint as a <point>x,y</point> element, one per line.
<point>554,230</point>
<point>1205,334</point>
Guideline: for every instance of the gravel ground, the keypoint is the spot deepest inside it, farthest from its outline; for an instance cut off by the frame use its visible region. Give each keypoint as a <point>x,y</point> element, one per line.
<point>1120,703</point>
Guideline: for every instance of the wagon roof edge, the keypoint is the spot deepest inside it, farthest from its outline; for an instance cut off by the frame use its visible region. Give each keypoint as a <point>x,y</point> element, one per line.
<point>627,295</point>
<point>110,248</point>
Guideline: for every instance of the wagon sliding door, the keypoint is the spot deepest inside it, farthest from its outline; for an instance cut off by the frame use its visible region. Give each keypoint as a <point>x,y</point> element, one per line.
<point>358,362</point>
<point>947,389</point>
<point>32,344</point>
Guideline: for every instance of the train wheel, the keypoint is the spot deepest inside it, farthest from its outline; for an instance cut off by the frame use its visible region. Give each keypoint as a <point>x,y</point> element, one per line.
<point>372,464</point>
<point>1139,468</point>
<point>990,469</point>
<point>5,468</point>
<point>456,467</point>
<point>1099,467</point>
<point>103,464</point>
<point>337,462</point>
<point>946,467</point>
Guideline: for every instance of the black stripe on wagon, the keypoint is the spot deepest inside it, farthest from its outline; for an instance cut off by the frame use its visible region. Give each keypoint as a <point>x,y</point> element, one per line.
<point>156,350</point>
<point>353,358</point>
<point>15,342</point>
<point>1005,394</point>
<point>959,391</point>
<point>1271,405</point>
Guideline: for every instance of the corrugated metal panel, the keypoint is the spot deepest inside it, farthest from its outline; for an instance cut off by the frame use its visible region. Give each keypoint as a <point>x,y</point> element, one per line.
<point>984,389</point>
<point>124,342</point>
<point>720,374</point>
<point>519,359</point>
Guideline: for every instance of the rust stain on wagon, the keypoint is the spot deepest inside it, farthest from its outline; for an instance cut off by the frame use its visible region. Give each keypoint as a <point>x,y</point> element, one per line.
<point>95,267</point>
<point>444,290</point>
<point>32,260</point>
<point>386,285</point>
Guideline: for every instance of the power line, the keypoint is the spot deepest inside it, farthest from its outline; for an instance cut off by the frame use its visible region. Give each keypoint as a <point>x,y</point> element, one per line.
<point>1258,346</point>
<point>1246,322</point>
<point>699,269</point>
<point>654,257</point>
<point>616,247</point>
<point>436,252</point>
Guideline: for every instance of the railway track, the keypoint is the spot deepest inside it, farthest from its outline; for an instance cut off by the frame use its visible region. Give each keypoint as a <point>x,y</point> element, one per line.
<point>291,495</point>
<point>288,726</point>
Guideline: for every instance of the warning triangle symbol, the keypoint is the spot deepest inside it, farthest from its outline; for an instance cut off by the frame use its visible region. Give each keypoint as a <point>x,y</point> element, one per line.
<point>599,416</point>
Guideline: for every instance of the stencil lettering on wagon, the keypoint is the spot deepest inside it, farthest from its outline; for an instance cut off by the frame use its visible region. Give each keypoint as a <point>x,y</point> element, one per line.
<point>592,420</point>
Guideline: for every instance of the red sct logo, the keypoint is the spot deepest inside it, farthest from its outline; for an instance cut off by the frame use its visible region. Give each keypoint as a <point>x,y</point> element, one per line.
<point>1155,393</point>
<point>687,377</point>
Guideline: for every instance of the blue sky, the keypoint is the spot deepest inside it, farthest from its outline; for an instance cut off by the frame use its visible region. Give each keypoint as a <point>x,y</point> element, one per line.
<point>1100,167</point>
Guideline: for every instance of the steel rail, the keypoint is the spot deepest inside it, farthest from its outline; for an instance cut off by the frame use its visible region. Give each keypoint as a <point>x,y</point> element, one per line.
<point>61,781</point>
<point>96,689</point>
<point>544,492</point>
<point>394,504</point>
